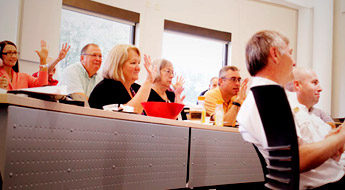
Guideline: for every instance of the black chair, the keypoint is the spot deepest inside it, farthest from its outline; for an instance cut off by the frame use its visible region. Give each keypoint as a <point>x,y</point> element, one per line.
<point>283,168</point>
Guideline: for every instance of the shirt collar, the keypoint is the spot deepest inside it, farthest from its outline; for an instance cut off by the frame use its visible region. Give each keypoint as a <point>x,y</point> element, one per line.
<point>86,73</point>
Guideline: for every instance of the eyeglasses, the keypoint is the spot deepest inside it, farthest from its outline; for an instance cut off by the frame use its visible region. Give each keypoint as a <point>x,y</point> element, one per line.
<point>233,79</point>
<point>10,53</point>
<point>93,55</point>
<point>170,72</point>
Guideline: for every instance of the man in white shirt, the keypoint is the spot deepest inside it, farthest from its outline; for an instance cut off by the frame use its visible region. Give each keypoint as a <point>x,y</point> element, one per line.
<point>81,78</point>
<point>307,86</point>
<point>269,60</point>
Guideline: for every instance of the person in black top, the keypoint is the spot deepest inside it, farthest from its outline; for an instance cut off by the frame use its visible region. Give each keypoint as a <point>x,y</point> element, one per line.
<point>121,70</point>
<point>161,91</point>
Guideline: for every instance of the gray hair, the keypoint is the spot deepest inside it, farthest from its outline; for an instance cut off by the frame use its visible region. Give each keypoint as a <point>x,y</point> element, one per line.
<point>160,64</point>
<point>224,70</point>
<point>258,48</point>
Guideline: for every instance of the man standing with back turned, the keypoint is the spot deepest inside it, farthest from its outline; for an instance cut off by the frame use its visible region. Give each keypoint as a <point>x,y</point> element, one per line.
<point>269,60</point>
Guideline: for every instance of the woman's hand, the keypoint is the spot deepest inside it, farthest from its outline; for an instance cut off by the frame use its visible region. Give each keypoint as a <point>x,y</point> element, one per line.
<point>3,82</point>
<point>63,52</point>
<point>151,71</point>
<point>43,54</point>
<point>179,82</point>
<point>178,98</point>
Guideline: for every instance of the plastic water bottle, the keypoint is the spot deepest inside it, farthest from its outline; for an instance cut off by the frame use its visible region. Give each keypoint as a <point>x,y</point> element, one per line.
<point>201,102</point>
<point>219,114</point>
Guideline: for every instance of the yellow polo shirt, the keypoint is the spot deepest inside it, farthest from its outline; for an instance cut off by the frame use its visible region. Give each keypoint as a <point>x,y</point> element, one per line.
<point>211,98</point>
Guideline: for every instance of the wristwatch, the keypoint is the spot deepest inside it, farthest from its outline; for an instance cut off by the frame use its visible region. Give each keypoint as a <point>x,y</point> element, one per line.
<point>236,104</point>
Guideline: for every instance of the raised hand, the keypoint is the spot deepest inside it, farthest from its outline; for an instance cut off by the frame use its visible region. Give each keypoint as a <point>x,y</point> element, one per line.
<point>178,98</point>
<point>43,54</point>
<point>3,82</point>
<point>63,52</point>
<point>179,82</point>
<point>242,92</point>
<point>151,71</point>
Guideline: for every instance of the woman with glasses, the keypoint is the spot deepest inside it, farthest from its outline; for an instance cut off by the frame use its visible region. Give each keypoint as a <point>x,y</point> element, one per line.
<point>121,70</point>
<point>11,78</point>
<point>161,91</point>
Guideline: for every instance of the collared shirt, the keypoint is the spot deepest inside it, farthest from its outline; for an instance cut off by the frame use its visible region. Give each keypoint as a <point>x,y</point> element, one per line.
<point>211,98</point>
<point>321,114</point>
<point>24,80</point>
<point>77,79</point>
<point>309,129</point>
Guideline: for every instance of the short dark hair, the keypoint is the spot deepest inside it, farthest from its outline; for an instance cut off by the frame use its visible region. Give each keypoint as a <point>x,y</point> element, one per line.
<point>2,46</point>
<point>258,48</point>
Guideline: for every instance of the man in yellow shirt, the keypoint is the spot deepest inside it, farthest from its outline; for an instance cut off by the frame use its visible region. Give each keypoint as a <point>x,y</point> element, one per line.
<point>230,90</point>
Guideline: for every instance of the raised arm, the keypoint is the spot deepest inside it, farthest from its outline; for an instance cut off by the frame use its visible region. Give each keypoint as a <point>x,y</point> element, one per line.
<point>43,73</point>
<point>43,53</point>
<point>62,54</point>
<point>144,91</point>
<point>179,82</point>
<point>178,97</point>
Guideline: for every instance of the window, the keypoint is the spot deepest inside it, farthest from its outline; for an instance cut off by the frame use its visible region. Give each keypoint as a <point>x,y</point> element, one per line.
<point>197,54</point>
<point>91,22</point>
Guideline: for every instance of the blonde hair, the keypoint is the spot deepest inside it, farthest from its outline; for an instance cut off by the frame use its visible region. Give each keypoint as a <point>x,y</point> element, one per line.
<point>117,56</point>
<point>160,64</point>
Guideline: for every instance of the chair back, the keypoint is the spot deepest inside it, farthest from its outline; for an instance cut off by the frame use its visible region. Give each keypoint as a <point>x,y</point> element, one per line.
<point>278,122</point>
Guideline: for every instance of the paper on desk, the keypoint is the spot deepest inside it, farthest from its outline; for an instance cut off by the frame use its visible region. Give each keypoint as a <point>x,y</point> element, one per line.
<point>46,92</point>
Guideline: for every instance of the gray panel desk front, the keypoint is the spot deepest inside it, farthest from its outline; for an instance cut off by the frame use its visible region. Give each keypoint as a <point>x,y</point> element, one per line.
<point>46,145</point>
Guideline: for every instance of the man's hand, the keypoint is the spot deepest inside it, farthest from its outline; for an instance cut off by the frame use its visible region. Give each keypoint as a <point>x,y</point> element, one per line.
<point>242,92</point>
<point>339,152</point>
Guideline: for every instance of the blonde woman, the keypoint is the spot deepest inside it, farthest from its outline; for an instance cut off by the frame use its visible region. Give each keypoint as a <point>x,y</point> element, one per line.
<point>121,70</point>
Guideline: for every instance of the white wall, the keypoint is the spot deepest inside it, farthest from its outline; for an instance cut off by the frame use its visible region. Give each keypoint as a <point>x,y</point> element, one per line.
<point>10,22</point>
<point>240,17</point>
<point>338,78</point>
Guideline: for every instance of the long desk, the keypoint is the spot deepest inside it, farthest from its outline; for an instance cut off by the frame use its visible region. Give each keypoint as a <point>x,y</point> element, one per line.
<point>48,145</point>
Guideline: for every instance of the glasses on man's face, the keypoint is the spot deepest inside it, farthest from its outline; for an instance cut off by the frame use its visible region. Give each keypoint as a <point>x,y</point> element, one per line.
<point>169,72</point>
<point>93,55</point>
<point>233,79</point>
<point>10,53</point>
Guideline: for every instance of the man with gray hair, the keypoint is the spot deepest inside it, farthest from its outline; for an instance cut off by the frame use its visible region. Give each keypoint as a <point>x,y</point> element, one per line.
<point>231,91</point>
<point>269,60</point>
<point>81,78</point>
